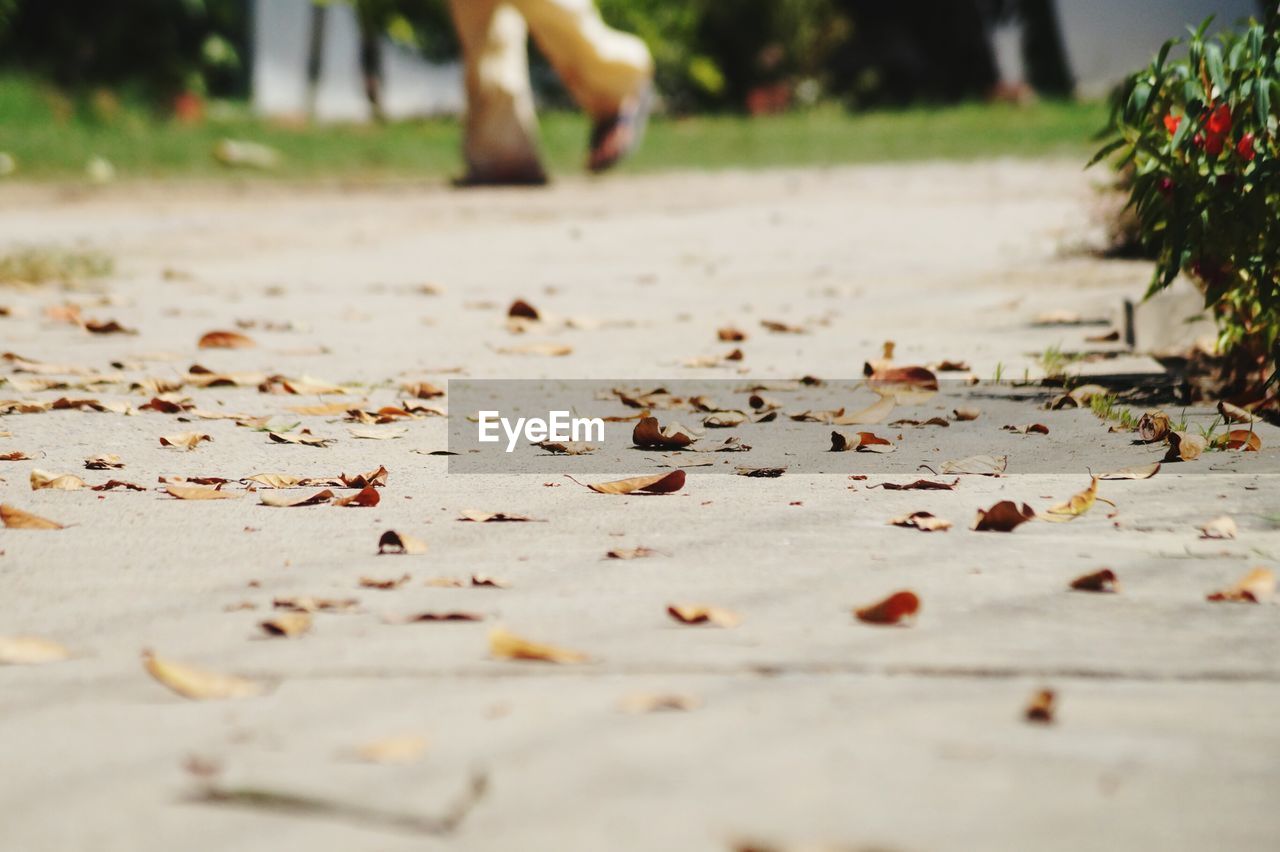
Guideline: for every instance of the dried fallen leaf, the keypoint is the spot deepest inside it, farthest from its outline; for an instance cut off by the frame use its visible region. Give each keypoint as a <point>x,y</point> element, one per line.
<point>480,517</point>
<point>648,433</point>
<point>932,421</point>
<point>899,606</point>
<point>366,498</point>
<point>724,419</point>
<point>521,308</point>
<point>1028,429</point>
<point>225,340</point>
<point>658,483</point>
<point>918,485</point>
<point>274,480</point>
<point>878,412</point>
<point>698,614</point>
<point>184,440</point>
<point>859,441</point>
<point>1142,471</point>
<point>41,479</point>
<point>484,581</point>
<point>977,465</point>
<point>728,334</point>
<point>759,472</point>
<point>912,377</point>
<point>966,413</point>
<point>1102,580</point>
<point>14,456</point>
<point>285,501</point>
<point>306,603</point>
<point>505,645</point>
<point>1041,707</point>
<point>1255,587</point>
<point>190,682</point>
<point>421,390</point>
<point>1154,426</point>
<point>422,617</point>
<point>923,521</point>
<point>192,493</point>
<point>781,327</point>
<point>305,440</point>
<point>630,553</point>
<point>1078,505</point>
<point>112,484</point>
<point>30,651</point>
<point>384,583</point>
<point>654,702</point>
<point>376,478</point>
<point>107,327</point>
<point>1235,414</point>
<point>288,624</point>
<point>1220,527</point>
<point>395,542</point>
<point>1184,447</point>
<point>378,434</point>
<point>393,750</point>
<point>1240,439</point>
<point>1005,516</point>
<point>16,519</point>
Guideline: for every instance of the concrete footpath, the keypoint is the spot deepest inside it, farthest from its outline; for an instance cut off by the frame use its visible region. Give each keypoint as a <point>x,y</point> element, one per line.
<point>800,728</point>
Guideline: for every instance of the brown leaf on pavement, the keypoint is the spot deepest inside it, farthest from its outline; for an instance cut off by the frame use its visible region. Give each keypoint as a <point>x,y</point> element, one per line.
<point>376,478</point>
<point>1141,471</point>
<point>522,309</point>
<point>112,484</point>
<point>1240,439</point>
<point>481,517</point>
<point>1154,426</point>
<point>918,485</point>
<point>966,413</point>
<point>421,390</point>
<point>863,442</point>
<point>1255,587</point>
<point>16,519</point>
<point>197,684</point>
<point>1076,506</point>
<point>225,340</point>
<point>1041,707</point>
<point>658,483</point>
<point>699,614</point>
<point>485,581</point>
<point>899,606</point>
<point>1028,429</point>
<point>1184,447</point>
<point>504,645</point>
<point>977,465</point>
<point>1102,580</point>
<point>923,521</point>
<point>877,412</point>
<point>648,433</point>
<point>287,624</point>
<point>366,498</point>
<point>425,617</point>
<point>30,651</point>
<point>728,334</point>
<point>184,440</point>
<point>932,421</point>
<point>41,479</point>
<point>781,327</point>
<point>396,542</point>
<point>915,377</point>
<point>1220,527</point>
<point>630,552</point>
<point>307,603</point>
<point>1005,516</point>
<point>194,493</point>
<point>14,456</point>
<point>305,440</point>
<point>274,480</point>
<point>759,472</point>
<point>103,461</point>
<point>384,583</point>
<point>107,327</point>
<point>1235,414</point>
<point>285,501</point>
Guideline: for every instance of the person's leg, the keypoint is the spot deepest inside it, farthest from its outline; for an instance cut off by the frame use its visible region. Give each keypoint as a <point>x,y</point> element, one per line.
<point>608,72</point>
<point>501,126</point>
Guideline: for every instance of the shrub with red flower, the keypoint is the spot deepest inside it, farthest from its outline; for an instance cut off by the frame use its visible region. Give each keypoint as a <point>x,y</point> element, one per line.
<point>1199,132</point>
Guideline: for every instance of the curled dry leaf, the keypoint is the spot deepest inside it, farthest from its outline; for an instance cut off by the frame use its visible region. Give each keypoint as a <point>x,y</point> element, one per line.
<point>365,498</point>
<point>918,485</point>
<point>479,517</point>
<point>966,413</point>
<point>1184,447</point>
<point>184,440</point>
<point>896,608</point>
<point>1005,516</point>
<point>393,750</point>
<point>1076,506</point>
<point>274,480</point>
<point>877,412</point>
<point>1235,414</point>
<point>284,501</point>
<point>658,483</point>
<point>1041,707</point>
<point>781,327</point>
<point>1255,587</point>
<point>107,327</point>
<point>863,442</point>
<point>522,309</point>
<point>307,603</point>
<point>421,390</point>
<point>30,651</point>
<point>306,440</point>
<point>923,521</point>
<point>16,519</point>
<point>422,617</point>
<point>195,493</point>
<point>14,456</point>
<point>932,421</point>
<point>42,479</point>
<point>913,377</point>
<point>1220,527</point>
<point>287,624</point>
<point>484,581</point>
<point>977,465</point>
<point>376,478</point>
<point>1028,429</point>
<point>197,684</point>
<point>1141,471</point>
<point>504,645</point>
<point>654,702</point>
<point>225,340</point>
<point>395,542</point>
<point>724,419</point>
<point>760,472</point>
<point>112,484</point>
<point>1240,439</point>
<point>648,433</point>
<point>1154,426</point>
<point>384,583</point>
<point>1102,580</point>
<point>699,614</point>
<point>728,334</point>
<point>630,553</point>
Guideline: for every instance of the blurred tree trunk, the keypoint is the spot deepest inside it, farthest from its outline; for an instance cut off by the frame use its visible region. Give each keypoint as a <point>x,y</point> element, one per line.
<point>1043,53</point>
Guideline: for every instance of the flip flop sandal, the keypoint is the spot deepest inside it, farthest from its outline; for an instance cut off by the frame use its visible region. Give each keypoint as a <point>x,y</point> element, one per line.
<point>631,121</point>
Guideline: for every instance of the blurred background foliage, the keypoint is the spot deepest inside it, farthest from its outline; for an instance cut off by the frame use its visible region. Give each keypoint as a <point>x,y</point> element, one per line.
<point>755,55</point>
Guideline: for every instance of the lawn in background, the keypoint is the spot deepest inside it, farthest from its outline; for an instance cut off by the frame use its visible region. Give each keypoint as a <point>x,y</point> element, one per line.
<point>53,138</point>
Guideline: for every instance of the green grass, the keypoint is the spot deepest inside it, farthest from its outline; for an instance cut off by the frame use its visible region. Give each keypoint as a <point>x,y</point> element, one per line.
<point>53,137</point>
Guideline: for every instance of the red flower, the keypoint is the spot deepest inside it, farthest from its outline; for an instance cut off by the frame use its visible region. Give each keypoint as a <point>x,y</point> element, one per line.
<point>1219,123</point>
<point>1166,187</point>
<point>1245,148</point>
<point>1198,140</point>
<point>1171,123</point>
<point>1213,146</point>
